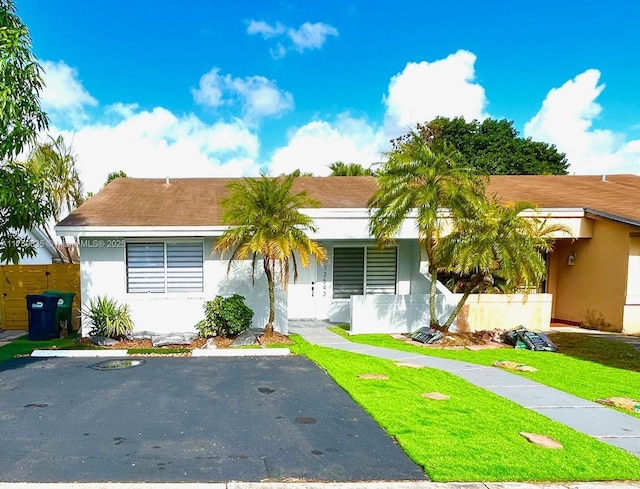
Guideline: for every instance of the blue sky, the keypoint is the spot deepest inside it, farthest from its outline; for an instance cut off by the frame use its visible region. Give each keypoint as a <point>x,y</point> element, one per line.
<point>211,88</point>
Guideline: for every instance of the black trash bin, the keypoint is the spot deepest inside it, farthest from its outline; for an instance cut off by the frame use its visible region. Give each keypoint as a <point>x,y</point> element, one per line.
<point>42,317</point>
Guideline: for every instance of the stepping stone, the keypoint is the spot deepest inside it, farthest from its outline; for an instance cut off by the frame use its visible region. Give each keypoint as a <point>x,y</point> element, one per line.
<point>436,396</point>
<point>541,440</point>
<point>373,377</point>
<point>506,364</point>
<point>407,364</point>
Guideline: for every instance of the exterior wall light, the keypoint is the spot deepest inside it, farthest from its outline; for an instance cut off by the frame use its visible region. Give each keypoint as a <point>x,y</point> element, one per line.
<point>572,259</point>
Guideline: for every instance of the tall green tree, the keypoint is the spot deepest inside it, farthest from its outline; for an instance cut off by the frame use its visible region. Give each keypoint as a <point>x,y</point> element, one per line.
<point>494,244</point>
<point>55,163</point>
<point>341,169</point>
<point>422,177</point>
<point>24,201</point>
<point>113,175</point>
<point>24,204</point>
<point>21,116</point>
<point>495,146</point>
<point>265,223</point>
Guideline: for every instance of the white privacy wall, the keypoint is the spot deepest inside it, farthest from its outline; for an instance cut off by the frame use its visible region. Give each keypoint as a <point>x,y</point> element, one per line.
<point>395,313</point>
<point>103,272</point>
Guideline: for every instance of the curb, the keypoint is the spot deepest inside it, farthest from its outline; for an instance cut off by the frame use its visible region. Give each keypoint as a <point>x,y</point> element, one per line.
<point>324,485</point>
<point>78,353</point>
<point>249,352</point>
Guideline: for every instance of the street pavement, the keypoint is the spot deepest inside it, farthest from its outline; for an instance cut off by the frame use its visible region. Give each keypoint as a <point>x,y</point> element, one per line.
<point>187,420</point>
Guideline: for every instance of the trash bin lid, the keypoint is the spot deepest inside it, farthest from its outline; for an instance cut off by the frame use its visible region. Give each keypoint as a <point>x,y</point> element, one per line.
<point>50,293</point>
<point>42,302</point>
<point>67,297</point>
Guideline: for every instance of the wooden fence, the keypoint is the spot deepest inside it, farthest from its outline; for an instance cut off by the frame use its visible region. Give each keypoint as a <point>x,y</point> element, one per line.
<point>18,281</point>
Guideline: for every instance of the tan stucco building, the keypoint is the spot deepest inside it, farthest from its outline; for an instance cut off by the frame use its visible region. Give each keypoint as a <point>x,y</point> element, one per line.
<point>594,277</point>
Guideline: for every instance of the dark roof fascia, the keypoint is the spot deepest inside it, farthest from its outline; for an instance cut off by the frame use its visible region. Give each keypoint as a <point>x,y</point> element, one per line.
<point>612,217</point>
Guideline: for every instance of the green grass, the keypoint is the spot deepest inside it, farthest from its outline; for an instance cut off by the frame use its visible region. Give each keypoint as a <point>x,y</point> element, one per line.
<point>24,346</point>
<point>474,435</point>
<point>590,368</point>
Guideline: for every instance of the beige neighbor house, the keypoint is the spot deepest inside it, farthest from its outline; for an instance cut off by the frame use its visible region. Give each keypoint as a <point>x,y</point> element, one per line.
<point>148,242</point>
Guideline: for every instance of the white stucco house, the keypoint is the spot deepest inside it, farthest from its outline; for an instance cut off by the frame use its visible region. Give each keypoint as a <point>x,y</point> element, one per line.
<point>46,254</point>
<point>148,242</point>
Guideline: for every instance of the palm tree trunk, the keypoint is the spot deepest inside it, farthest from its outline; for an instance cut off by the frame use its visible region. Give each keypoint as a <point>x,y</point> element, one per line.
<point>433,277</point>
<point>461,302</point>
<point>272,296</point>
<point>433,316</point>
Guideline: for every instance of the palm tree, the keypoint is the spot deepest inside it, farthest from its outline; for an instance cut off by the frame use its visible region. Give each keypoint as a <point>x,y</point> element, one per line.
<point>426,178</point>
<point>494,243</point>
<point>55,162</point>
<point>264,221</point>
<point>340,169</point>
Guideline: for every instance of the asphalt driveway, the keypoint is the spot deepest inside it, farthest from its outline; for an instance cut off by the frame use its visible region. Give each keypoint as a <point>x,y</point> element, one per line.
<point>187,420</point>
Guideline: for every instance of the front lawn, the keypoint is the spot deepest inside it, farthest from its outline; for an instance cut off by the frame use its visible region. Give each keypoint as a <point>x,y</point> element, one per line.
<point>24,346</point>
<point>590,368</point>
<point>473,436</point>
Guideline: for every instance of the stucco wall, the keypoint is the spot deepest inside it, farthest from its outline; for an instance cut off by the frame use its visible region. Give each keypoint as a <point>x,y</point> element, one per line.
<point>103,272</point>
<point>404,314</point>
<point>394,313</point>
<point>595,285</point>
<point>505,311</point>
<point>631,320</point>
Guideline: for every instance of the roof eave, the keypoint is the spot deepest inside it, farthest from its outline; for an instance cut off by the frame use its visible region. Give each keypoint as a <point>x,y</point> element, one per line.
<point>139,231</point>
<point>612,217</point>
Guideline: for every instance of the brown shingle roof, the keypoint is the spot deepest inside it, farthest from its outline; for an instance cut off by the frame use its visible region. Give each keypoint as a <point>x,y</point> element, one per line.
<point>618,195</point>
<point>196,201</point>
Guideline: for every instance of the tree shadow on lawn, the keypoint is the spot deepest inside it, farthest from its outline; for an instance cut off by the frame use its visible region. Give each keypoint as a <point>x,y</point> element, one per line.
<point>604,351</point>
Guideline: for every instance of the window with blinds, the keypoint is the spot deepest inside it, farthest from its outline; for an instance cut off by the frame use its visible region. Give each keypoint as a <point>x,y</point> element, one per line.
<point>164,267</point>
<point>364,270</point>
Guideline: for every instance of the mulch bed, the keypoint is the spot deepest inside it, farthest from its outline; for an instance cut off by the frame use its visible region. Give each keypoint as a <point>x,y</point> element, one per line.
<point>461,340</point>
<point>221,342</point>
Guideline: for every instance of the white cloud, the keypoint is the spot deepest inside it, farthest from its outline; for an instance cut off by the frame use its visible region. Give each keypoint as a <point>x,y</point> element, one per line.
<point>210,87</point>
<point>265,30</point>
<point>425,90</point>
<point>258,96</point>
<point>566,119</point>
<point>311,36</point>
<point>157,143</point>
<point>316,145</point>
<point>63,91</point>
<point>307,36</point>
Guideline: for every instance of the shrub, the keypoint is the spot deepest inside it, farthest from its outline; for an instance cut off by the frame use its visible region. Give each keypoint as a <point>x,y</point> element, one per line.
<point>108,318</point>
<point>225,316</point>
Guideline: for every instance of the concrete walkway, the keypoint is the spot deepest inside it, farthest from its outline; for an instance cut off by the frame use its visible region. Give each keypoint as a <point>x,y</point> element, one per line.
<point>631,340</point>
<point>7,336</point>
<point>605,424</point>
